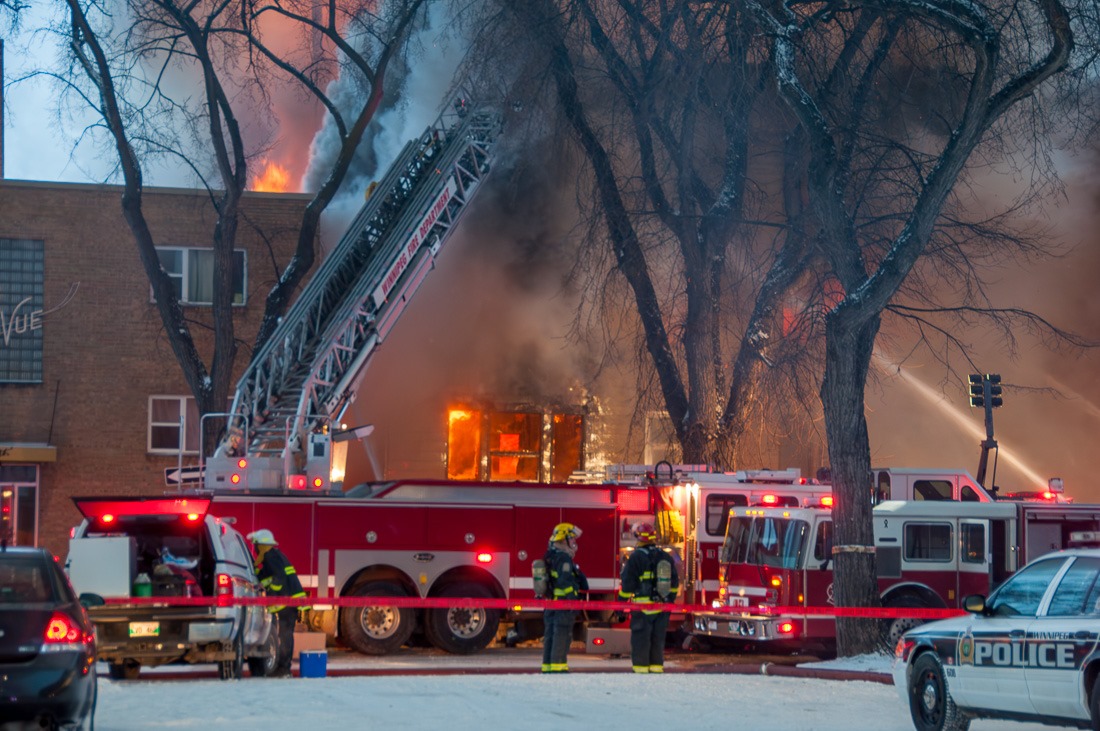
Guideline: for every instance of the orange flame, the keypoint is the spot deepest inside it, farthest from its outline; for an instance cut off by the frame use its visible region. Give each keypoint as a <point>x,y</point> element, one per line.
<point>274,179</point>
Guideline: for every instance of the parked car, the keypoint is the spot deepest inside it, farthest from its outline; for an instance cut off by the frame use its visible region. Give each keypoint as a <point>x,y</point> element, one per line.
<point>1030,652</point>
<point>47,644</point>
<point>130,549</point>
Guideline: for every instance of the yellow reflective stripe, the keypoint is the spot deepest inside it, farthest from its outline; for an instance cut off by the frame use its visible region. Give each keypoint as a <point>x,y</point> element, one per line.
<point>563,592</point>
<point>656,668</point>
<point>624,596</point>
<point>641,668</point>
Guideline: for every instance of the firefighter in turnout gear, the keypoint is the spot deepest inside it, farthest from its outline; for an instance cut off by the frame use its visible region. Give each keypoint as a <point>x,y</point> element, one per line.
<point>278,578</point>
<point>564,582</point>
<point>650,577</point>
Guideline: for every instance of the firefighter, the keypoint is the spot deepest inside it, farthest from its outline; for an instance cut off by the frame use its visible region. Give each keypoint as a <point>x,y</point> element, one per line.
<point>565,582</point>
<point>650,577</point>
<point>278,578</point>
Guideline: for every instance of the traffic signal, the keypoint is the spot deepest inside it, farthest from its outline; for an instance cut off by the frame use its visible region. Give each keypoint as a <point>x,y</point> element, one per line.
<point>995,399</point>
<point>977,390</point>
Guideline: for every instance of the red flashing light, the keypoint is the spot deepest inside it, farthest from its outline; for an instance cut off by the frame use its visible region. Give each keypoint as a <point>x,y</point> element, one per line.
<point>242,463</point>
<point>485,558</point>
<point>318,482</point>
<point>107,510</point>
<point>62,630</point>
<point>597,641</point>
<point>235,479</point>
<point>786,628</point>
<point>296,482</point>
<point>1048,495</point>
<point>770,500</point>
<point>192,517</point>
<point>827,501</point>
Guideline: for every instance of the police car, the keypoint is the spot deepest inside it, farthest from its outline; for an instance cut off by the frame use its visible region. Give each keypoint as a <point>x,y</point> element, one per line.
<point>1029,652</point>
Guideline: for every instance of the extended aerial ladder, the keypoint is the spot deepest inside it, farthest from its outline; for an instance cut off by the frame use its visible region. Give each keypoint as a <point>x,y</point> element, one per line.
<point>288,404</point>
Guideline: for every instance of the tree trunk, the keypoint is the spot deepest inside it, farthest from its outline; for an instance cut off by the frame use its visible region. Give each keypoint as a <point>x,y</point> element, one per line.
<point>847,358</point>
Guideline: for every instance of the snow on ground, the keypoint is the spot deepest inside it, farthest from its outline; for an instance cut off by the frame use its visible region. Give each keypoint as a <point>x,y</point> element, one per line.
<point>607,701</point>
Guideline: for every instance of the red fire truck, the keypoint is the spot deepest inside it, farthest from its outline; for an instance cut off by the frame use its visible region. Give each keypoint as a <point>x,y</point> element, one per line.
<point>928,555</point>
<point>425,538</point>
<point>430,539</point>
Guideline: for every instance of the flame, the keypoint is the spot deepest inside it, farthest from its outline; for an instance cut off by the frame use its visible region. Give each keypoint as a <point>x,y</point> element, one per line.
<point>274,179</point>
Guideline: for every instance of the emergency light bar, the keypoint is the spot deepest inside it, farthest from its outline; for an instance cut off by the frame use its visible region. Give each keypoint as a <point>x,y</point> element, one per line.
<point>110,509</point>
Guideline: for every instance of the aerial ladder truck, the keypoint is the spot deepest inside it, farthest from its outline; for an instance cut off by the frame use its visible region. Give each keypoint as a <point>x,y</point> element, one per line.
<point>283,430</point>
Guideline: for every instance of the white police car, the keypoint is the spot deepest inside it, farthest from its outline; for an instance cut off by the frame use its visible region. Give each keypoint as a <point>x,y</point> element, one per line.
<point>1028,652</point>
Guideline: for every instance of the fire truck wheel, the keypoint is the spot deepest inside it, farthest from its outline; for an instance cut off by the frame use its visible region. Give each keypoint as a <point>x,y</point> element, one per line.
<point>376,630</point>
<point>930,702</point>
<point>898,627</point>
<point>463,630</point>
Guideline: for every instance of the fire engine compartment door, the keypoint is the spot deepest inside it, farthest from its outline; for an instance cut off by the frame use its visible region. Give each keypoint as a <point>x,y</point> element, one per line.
<point>974,559</point>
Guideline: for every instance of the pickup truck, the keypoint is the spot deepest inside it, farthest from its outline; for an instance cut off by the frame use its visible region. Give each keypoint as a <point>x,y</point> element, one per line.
<point>167,548</point>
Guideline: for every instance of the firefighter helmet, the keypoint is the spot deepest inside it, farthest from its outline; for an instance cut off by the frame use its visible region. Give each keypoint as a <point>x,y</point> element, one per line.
<point>263,537</point>
<point>564,532</point>
<point>645,532</point>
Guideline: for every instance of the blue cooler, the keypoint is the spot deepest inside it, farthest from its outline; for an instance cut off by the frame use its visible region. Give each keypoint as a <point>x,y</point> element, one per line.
<point>312,664</point>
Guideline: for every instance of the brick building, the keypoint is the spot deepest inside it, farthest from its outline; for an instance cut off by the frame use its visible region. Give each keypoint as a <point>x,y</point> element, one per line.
<point>92,400</point>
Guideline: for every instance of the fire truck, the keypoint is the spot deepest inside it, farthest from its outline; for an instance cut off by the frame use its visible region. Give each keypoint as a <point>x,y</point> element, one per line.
<point>434,539</point>
<point>929,554</point>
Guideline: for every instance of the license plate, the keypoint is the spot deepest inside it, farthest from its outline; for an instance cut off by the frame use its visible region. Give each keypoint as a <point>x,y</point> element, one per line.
<point>144,629</point>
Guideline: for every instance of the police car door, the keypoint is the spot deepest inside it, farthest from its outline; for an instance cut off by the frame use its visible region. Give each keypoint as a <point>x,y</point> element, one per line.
<point>1062,638</point>
<point>991,650</point>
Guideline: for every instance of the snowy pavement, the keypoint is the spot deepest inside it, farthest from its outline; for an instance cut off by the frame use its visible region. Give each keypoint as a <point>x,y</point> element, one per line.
<point>605,700</point>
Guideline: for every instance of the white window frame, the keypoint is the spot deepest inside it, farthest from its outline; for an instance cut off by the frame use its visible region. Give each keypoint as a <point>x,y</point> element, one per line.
<point>185,276</point>
<point>183,426</point>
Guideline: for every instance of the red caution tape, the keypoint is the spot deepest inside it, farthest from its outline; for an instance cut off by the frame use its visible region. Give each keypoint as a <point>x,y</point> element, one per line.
<point>538,605</point>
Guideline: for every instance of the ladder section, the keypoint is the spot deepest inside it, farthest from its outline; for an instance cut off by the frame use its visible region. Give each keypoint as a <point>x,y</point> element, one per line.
<point>304,376</point>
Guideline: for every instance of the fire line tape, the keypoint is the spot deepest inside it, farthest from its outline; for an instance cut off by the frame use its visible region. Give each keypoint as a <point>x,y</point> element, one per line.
<point>538,605</point>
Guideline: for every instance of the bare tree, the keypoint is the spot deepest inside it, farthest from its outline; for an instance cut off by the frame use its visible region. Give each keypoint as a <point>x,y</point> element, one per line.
<point>124,69</point>
<point>663,101</point>
<point>883,175</point>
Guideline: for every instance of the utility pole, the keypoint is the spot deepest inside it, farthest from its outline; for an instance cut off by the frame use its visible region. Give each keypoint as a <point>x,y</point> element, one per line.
<point>985,391</point>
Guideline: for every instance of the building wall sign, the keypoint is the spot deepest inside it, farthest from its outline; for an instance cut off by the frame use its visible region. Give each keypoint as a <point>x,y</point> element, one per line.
<point>25,452</point>
<point>22,309</point>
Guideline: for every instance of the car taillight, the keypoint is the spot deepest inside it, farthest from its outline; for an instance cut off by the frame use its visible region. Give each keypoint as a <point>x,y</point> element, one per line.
<point>63,634</point>
<point>224,584</point>
<point>903,648</point>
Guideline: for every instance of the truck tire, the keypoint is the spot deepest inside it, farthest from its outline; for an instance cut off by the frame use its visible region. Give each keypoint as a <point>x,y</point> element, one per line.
<point>895,628</point>
<point>1094,704</point>
<point>125,670</point>
<point>463,630</point>
<point>262,665</point>
<point>233,669</point>
<point>376,630</point>
<point>930,702</point>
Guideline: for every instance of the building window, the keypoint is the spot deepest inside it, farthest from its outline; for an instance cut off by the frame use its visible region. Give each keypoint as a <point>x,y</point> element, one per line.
<point>566,446</point>
<point>192,274</point>
<point>515,446</point>
<point>21,305</point>
<point>173,420</point>
<point>463,443</point>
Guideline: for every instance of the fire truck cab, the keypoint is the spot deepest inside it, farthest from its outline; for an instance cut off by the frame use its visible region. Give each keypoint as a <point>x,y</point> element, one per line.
<point>929,554</point>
